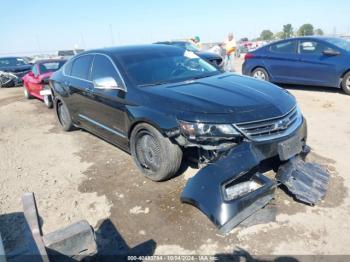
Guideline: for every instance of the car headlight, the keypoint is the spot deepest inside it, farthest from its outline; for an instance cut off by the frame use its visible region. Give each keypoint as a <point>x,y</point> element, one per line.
<point>205,131</point>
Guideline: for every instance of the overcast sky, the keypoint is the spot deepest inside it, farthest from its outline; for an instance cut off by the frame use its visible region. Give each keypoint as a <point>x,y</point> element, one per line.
<point>41,25</point>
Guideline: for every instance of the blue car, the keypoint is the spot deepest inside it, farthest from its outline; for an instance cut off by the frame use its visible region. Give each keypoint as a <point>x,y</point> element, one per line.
<point>318,61</point>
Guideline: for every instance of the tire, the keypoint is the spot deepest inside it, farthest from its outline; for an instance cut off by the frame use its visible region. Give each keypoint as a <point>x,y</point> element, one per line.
<point>64,117</point>
<point>345,83</point>
<point>27,95</point>
<point>155,155</point>
<point>48,101</point>
<point>260,73</point>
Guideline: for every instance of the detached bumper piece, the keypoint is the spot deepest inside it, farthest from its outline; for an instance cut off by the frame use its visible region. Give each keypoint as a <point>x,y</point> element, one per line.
<point>308,182</point>
<point>230,190</point>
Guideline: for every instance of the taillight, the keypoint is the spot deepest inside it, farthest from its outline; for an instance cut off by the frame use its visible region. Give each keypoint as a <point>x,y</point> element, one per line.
<point>248,56</point>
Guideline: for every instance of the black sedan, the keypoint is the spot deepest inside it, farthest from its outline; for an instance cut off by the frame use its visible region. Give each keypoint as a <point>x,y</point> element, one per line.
<point>210,57</point>
<point>162,103</point>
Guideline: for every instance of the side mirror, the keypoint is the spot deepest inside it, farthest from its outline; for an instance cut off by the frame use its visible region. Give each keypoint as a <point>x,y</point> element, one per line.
<point>106,83</point>
<point>331,52</point>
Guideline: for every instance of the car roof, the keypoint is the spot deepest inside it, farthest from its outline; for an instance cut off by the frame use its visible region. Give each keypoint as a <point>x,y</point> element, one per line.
<point>130,49</point>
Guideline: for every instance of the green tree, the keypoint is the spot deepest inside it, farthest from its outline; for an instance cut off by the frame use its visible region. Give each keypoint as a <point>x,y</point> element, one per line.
<point>266,35</point>
<point>287,31</point>
<point>306,29</point>
<point>279,35</point>
<point>318,31</point>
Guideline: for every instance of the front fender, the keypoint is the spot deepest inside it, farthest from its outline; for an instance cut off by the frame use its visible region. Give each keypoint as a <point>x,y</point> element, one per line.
<point>162,121</point>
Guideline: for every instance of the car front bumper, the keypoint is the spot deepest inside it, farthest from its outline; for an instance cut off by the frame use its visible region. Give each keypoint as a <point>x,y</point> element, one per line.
<point>206,190</point>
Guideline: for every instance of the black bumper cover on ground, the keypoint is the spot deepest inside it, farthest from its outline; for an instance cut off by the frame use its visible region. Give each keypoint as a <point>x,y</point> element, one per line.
<point>206,190</point>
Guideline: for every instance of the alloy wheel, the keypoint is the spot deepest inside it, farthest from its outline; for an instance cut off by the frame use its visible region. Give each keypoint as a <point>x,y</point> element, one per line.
<point>148,151</point>
<point>259,75</point>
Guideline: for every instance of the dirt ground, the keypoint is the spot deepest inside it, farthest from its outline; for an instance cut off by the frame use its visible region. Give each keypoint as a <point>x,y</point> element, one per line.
<point>79,176</point>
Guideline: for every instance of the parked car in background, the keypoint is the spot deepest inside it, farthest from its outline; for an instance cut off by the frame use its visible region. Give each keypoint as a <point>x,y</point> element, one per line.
<point>35,82</point>
<point>16,67</point>
<point>318,61</point>
<point>210,57</point>
<point>66,54</point>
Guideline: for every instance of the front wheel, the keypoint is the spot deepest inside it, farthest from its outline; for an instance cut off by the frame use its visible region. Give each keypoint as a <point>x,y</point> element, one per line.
<point>261,74</point>
<point>155,155</point>
<point>27,95</point>
<point>345,84</point>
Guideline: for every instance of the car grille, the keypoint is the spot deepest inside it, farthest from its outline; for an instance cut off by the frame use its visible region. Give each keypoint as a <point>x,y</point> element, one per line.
<point>272,128</point>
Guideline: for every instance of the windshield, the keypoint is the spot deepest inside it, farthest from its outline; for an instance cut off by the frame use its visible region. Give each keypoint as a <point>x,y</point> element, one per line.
<point>187,45</point>
<point>158,66</point>
<point>51,66</point>
<point>12,61</point>
<point>341,43</point>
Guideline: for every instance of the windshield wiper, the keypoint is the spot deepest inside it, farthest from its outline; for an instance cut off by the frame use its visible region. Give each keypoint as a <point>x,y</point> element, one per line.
<point>204,76</point>
<point>154,84</point>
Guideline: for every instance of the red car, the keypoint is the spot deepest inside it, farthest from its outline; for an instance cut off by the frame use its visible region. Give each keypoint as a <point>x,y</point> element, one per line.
<point>35,82</point>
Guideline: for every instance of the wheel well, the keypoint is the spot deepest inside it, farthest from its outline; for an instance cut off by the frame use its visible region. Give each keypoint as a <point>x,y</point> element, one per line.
<point>258,67</point>
<point>141,122</point>
<point>346,71</point>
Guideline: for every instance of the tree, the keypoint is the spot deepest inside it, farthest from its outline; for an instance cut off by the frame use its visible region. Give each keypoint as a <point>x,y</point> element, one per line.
<point>266,35</point>
<point>279,35</point>
<point>306,29</point>
<point>287,31</point>
<point>318,31</point>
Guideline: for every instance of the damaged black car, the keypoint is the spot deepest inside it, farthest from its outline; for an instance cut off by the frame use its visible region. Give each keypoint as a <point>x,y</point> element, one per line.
<point>163,104</point>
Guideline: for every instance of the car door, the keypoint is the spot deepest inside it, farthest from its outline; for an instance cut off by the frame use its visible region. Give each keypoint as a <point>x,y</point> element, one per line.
<point>80,88</point>
<point>108,110</point>
<point>282,61</point>
<point>316,67</point>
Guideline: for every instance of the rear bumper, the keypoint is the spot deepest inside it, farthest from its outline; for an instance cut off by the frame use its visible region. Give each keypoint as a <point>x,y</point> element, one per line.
<point>206,189</point>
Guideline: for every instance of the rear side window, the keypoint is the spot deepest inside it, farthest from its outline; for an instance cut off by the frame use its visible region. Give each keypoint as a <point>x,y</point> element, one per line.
<point>68,67</point>
<point>284,47</point>
<point>102,67</point>
<point>81,67</point>
<point>311,47</point>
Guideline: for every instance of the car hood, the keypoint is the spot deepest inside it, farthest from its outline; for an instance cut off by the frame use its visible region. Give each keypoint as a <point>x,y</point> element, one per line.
<point>16,68</point>
<point>207,55</point>
<point>238,97</point>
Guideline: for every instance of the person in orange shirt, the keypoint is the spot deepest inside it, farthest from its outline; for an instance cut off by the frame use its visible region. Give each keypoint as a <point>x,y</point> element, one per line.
<point>230,47</point>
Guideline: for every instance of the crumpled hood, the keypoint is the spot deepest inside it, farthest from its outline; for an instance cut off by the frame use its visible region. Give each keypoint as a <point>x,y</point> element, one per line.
<point>239,97</point>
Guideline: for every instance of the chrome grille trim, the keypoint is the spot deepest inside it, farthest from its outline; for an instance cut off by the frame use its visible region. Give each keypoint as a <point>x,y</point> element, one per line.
<point>273,128</point>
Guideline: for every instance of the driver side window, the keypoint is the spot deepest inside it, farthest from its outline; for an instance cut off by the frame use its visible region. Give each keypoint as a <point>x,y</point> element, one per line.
<point>102,67</point>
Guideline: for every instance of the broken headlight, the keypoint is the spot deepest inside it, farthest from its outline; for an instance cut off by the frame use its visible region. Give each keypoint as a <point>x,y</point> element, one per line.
<point>241,189</point>
<point>205,131</point>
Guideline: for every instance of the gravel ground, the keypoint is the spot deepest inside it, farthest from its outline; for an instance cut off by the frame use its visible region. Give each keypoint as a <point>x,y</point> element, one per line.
<point>79,176</point>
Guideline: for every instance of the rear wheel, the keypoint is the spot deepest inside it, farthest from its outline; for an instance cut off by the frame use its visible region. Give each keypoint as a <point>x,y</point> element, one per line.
<point>64,117</point>
<point>345,84</point>
<point>260,73</point>
<point>48,101</point>
<point>155,155</point>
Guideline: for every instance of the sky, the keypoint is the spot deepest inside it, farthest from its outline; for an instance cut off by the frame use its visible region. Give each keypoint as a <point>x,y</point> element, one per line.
<point>42,26</point>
